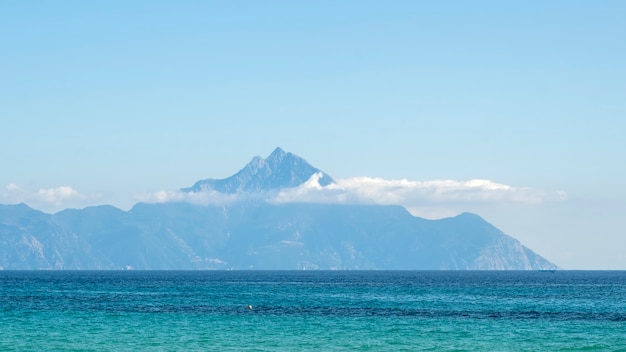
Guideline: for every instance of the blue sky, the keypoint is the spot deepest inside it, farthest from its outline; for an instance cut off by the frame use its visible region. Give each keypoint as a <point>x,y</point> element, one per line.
<point>107,102</point>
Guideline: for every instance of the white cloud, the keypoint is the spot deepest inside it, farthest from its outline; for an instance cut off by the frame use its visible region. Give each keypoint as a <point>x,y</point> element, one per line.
<point>429,199</point>
<point>403,192</point>
<point>205,197</point>
<point>58,195</point>
<point>47,199</point>
<point>11,187</point>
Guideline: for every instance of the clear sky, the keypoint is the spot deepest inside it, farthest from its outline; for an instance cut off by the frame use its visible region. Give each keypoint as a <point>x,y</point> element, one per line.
<point>106,102</point>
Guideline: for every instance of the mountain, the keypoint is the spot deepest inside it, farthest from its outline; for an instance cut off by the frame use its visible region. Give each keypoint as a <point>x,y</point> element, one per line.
<point>254,234</point>
<point>279,170</point>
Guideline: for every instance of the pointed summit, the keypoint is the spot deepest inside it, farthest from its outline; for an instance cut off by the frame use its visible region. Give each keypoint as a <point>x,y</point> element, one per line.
<point>279,170</point>
<point>278,153</point>
<point>277,156</point>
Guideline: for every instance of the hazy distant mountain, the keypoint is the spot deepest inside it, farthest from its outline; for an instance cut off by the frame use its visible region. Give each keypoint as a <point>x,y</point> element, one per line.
<point>255,234</point>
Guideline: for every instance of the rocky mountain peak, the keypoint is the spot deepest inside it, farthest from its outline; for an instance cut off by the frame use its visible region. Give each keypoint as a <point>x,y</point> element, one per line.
<point>278,154</point>
<point>279,170</point>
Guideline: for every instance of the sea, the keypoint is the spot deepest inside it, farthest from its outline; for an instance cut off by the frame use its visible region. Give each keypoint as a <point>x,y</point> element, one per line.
<point>313,310</point>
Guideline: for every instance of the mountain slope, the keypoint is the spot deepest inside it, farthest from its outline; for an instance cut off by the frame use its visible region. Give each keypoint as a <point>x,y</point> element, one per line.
<point>257,236</point>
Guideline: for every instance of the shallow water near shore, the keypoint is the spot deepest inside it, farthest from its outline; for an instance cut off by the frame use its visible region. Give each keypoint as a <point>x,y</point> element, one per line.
<point>312,310</point>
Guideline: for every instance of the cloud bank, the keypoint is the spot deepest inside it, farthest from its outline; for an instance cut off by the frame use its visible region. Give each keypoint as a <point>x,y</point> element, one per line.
<point>381,191</point>
<point>419,197</point>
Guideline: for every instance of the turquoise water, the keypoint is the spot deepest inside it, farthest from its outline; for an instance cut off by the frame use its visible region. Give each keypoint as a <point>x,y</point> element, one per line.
<point>312,311</point>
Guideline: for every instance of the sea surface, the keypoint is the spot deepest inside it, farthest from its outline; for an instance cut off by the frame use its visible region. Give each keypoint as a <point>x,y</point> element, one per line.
<point>312,311</point>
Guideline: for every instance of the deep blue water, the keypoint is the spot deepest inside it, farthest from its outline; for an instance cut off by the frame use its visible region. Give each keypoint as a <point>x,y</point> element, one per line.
<point>313,310</point>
